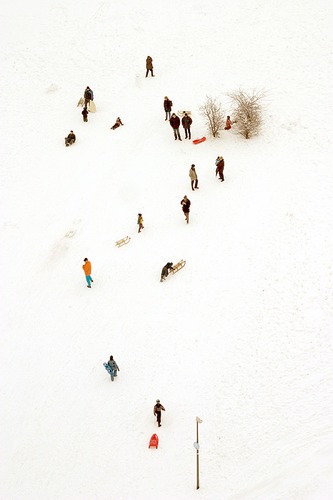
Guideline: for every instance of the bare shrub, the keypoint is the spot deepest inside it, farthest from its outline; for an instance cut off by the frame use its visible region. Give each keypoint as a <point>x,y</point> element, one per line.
<point>247,113</point>
<point>212,111</point>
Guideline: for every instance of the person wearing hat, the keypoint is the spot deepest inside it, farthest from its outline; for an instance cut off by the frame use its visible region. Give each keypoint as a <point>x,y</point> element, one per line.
<point>70,139</point>
<point>185,203</point>
<point>158,408</point>
<point>117,123</point>
<point>187,122</point>
<point>175,122</point>
<point>88,96</point>
<point>87,271</point>
<point>193,177</point>
<point>167,107</point>
<point>165,270</point>
<point>114,368</point>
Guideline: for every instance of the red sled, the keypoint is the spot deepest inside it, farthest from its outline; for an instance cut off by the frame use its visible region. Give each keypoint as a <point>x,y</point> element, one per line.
<point>153,441</point>
<point>197,141</point>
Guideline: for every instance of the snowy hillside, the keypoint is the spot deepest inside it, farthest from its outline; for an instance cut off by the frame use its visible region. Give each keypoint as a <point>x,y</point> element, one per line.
<point>242,336</point>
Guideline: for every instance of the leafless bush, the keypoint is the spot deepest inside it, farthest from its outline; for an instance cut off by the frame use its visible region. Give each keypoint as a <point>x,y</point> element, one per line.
<point>247,111</point>
<point>212,111</point>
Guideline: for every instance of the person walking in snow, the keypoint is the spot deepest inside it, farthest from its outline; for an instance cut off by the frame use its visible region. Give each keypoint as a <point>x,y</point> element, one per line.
<point>140,222</point>
<point>193,177</point>
<point>87,271</point>
<point>167,107</point>
<point>70,139</point>
<point>113,367</point>
<point>149,66</point>
<point>228,123</point>
<point>158,408</point>
<point>165,270</point>
<point>175,123</point>
<point>117,124</point>
<point>185,203</point>
<point>88,96</point>
<point>85,114</point>
<point>219,162</point>
<point>187,122</point>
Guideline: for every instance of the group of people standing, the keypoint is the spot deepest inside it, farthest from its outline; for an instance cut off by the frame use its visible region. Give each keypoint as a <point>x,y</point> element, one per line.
<point>174,120</point>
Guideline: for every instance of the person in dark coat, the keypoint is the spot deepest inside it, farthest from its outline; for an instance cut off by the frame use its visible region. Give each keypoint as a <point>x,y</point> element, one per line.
<point>158,408</point>
<point>85,114</point>
<point>149,66</point>
<point>114,368</point>
<point>175,123</point>
<point>219,162</point>
<point>187,122</point>
<point>185,203</point>
<point>193,177</point>
<point>117,124</point>
<point>70,139</point>
<point>88,96</point>
<point>167,107</point>
<point>165,270</point>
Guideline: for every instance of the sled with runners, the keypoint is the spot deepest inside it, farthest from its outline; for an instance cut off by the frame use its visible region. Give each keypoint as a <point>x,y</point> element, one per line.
<point>81,102</point>
<point>108,369</point>
<point>182,113</point>
<point>177,267</point>
<point>123,241</point>
<point>197,141</point>
<point>92,107</point>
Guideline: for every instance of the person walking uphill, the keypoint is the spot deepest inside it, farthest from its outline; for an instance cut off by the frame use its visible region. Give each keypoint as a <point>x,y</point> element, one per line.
<point>158,408</point>
<point>140,222</point>
<point>185,203</point>
<point>114,368</point>
<point>87,271</point>
<point>175,122</point>
<point>187,122</point>
<point>167,107</point>
<point>88,96</point>
<point>85,114</point>
<point>193,177</point>
<point>149,66</point>
<point>165,270</point>
<point>219,162</point>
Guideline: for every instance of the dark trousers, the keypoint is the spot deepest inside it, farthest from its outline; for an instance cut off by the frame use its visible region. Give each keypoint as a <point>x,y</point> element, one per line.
<point>194,184</point>
<point>167,115</point>
<point>151,71</point>
<point>187,131</point>
<point>176,133</point>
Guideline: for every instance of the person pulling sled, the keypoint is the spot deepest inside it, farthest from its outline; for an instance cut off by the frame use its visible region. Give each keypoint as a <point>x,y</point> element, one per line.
<point>166,270</point>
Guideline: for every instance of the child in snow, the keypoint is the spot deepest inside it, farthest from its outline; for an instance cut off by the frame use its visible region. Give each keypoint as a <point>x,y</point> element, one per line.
<point>165,270</point>
<point>87,271</point>
<point>114,368</point>
<point>85,114</point>
<point>193,177</point>
<point>149,66</point>
<point>219,162</point>
<point>185,203</point>
<point>117,124</point>
<point>140,222</point>
<point>228,123</point>
<point>158,408</point>
<point>70,139</point>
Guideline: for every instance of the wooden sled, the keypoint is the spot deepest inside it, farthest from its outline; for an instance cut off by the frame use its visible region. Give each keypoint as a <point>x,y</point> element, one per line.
<point>123,241</point>
<point>178,267</point>
<point>197,141</point>
<point>182,113</point>
<point>92,107</point>
<point>153,441</point>
<point>81,102</point>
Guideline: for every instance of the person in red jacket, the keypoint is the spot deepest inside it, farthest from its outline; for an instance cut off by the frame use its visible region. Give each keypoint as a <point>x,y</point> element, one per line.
<point>175,123</point>
<point>87,271</point>
<point>228,123</point>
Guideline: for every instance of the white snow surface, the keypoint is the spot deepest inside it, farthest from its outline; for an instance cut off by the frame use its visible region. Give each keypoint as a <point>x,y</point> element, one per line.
<point>242,336</point>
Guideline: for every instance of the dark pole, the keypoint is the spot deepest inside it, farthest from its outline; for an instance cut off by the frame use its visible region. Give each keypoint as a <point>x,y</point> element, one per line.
<point>198,421</point>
